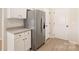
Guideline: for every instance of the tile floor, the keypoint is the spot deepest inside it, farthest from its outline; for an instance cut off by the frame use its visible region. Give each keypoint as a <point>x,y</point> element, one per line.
<point>58,45</point>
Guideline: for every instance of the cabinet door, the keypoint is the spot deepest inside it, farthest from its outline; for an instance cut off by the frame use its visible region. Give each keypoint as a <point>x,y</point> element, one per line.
<point>27,42</point>
<point>19,44</point>
<point>16,13</point>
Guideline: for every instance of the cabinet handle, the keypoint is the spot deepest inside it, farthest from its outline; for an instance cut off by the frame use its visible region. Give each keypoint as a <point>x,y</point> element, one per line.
<point>19,35</point>
<point>25,39</point>
<point>41,25</point>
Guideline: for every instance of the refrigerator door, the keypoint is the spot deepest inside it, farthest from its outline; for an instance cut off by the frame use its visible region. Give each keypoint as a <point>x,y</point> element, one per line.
<point>38,29</point>
<point>43,26</point>
<point>31,23</point>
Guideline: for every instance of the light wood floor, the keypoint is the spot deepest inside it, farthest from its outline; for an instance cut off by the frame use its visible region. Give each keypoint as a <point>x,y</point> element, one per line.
<point>0,45</point>
<point>58,45</point>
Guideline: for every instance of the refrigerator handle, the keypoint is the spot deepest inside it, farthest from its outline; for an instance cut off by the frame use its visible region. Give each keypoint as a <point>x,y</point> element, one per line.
<point>44,26</point>
<point>41,24</point>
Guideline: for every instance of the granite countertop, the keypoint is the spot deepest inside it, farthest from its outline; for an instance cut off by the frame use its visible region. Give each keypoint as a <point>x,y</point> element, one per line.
<point>17,29</point>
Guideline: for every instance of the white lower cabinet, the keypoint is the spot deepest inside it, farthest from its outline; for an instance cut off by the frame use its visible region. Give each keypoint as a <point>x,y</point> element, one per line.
<point>18,45</point>
<point>18,41</point>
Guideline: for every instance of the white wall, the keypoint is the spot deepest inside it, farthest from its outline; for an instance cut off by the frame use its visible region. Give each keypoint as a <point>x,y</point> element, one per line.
<point>0,24</point>
<point>73,25</point>
<point>77,24</point>
<point>62,17</point>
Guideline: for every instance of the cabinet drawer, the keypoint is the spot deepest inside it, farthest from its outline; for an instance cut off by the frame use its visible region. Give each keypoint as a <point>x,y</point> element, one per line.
<point>19,35</point>
<point>26,33</point>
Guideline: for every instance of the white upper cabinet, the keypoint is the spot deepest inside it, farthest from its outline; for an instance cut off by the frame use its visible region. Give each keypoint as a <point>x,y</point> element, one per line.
<point>16,13</point>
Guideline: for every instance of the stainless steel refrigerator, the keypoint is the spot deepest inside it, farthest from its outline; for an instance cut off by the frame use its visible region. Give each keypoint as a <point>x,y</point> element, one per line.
<point>36,21</point>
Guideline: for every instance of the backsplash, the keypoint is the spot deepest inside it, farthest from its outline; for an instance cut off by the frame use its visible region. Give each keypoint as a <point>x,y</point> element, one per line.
<point>14,22</point>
